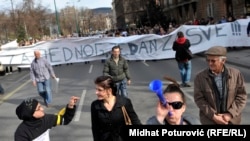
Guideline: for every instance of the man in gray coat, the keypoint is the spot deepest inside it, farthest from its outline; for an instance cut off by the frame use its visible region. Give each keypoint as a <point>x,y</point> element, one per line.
<point>219,91</point>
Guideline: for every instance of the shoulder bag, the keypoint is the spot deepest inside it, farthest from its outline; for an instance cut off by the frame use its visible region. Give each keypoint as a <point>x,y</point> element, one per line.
<point>189,54</point>
<point>126,116</point>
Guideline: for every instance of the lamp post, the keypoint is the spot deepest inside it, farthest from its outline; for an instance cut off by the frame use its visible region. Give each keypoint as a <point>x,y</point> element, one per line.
<point>76,19</point>
<point>57,21</point>
<point>75,14</point>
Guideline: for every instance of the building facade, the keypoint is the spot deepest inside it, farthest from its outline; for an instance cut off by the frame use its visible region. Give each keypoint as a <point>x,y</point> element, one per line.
<point>180,11</point>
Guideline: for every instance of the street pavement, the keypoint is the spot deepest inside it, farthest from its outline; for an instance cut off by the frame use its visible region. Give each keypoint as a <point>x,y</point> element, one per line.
<point>239,56</point>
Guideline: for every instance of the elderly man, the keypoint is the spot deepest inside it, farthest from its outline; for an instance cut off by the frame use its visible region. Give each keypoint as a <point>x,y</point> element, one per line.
<point>40,72</point>
<point>219,91</point>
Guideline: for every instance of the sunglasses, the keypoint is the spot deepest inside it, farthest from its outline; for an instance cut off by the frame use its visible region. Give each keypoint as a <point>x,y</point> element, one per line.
<point>176,105</point>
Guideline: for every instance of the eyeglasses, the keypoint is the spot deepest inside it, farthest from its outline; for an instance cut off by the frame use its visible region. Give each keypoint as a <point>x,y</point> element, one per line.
<point>211,60</point>
<point>176,105</point>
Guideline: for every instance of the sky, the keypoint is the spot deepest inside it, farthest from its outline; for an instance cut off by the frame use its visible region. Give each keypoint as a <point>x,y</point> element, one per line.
<point>6,4</point>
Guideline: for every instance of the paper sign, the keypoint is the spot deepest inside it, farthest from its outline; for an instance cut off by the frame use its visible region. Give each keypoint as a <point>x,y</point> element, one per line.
<point>55,85</point>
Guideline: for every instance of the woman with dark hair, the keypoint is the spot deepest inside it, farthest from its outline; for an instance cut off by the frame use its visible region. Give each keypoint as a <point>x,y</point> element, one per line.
<point>173,112</point>
<point>106,112</point>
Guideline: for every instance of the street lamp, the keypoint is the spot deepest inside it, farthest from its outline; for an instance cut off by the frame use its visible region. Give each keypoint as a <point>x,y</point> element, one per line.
<point>57,20</point>
<point>76,19</point>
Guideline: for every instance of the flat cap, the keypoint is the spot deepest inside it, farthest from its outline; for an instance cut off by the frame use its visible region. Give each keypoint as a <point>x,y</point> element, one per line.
<point>216,51</point>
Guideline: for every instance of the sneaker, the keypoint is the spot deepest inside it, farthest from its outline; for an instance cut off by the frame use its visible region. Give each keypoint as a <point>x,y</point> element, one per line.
<point>183,85</point>
<point>45,103</point>
<point>187,85</point>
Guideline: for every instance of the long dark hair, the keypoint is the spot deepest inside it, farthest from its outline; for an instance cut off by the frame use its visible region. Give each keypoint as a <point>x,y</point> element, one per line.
<point>106,82</point>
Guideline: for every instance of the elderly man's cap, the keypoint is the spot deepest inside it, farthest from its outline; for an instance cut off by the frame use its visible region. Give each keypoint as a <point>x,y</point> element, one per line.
<point>216,51</point>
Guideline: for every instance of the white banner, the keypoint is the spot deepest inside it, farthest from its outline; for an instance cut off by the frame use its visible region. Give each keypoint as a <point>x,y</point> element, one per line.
<point>136,47</point>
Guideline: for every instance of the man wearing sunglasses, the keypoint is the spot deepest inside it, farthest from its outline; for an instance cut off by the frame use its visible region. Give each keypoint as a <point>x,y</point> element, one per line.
<point>173,112</point>
<point>219,91</point>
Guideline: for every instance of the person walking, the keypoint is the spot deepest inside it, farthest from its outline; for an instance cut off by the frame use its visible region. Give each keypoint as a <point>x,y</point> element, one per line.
<point>107,118</point>
<point>117,67</point>
<point>219,90</point>
<point>40,73</point>
<point>183,57</point>
<point>36,124</point>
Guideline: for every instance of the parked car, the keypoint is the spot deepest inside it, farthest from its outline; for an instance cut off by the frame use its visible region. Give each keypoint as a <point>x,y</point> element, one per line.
<point>2,69</point>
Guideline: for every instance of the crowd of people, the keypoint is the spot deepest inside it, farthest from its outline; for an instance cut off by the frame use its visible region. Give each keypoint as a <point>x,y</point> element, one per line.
<point>219,93</point>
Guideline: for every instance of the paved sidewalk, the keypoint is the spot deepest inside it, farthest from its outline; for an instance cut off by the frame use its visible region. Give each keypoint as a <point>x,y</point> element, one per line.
<point>239,56</point>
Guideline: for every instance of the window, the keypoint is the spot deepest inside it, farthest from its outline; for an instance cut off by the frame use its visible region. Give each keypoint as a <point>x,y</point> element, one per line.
<point>210,9</point>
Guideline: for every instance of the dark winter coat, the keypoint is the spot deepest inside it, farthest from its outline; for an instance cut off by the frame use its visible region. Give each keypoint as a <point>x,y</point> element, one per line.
<point>181,46</point>
<point>29,130</point>
<point>107,125</point>
<point>206,95</point>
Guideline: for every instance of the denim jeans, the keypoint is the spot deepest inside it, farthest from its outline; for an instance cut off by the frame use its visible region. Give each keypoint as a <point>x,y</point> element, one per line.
<point>122,88</point>
<point>185,71</point>
<point>44,90</point>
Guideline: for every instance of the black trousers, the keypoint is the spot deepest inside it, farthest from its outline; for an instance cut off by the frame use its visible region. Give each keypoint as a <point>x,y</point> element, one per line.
<point>1,89</point>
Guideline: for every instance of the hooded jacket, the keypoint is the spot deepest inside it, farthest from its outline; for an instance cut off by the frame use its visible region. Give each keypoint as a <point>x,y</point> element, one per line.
<point>31,128</point>
<point>181,46</point>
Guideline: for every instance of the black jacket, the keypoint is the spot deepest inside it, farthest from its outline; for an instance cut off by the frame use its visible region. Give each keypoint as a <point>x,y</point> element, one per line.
<point>181,47</point>
<point>106,125</point>
<point>30,130</point>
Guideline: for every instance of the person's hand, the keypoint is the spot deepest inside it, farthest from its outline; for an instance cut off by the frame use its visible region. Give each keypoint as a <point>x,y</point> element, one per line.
<point>161,112</point>
<point>227,117</point>
<point>72,101</point>
<point>129,82</point>
<point>34,83</point>
<point>53,76</point>
<point>219,119</point>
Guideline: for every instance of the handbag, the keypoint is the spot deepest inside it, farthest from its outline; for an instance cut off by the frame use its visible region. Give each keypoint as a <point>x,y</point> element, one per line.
<point>126,116</point>
<point>189,54</point>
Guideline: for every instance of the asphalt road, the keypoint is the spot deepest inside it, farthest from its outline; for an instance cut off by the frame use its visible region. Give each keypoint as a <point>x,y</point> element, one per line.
<point>78,80</point>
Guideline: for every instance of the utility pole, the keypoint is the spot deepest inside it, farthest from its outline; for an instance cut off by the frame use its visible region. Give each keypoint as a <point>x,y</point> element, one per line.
<point>57,21</point>
<point>13,17</point>
<point>76,19</point>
